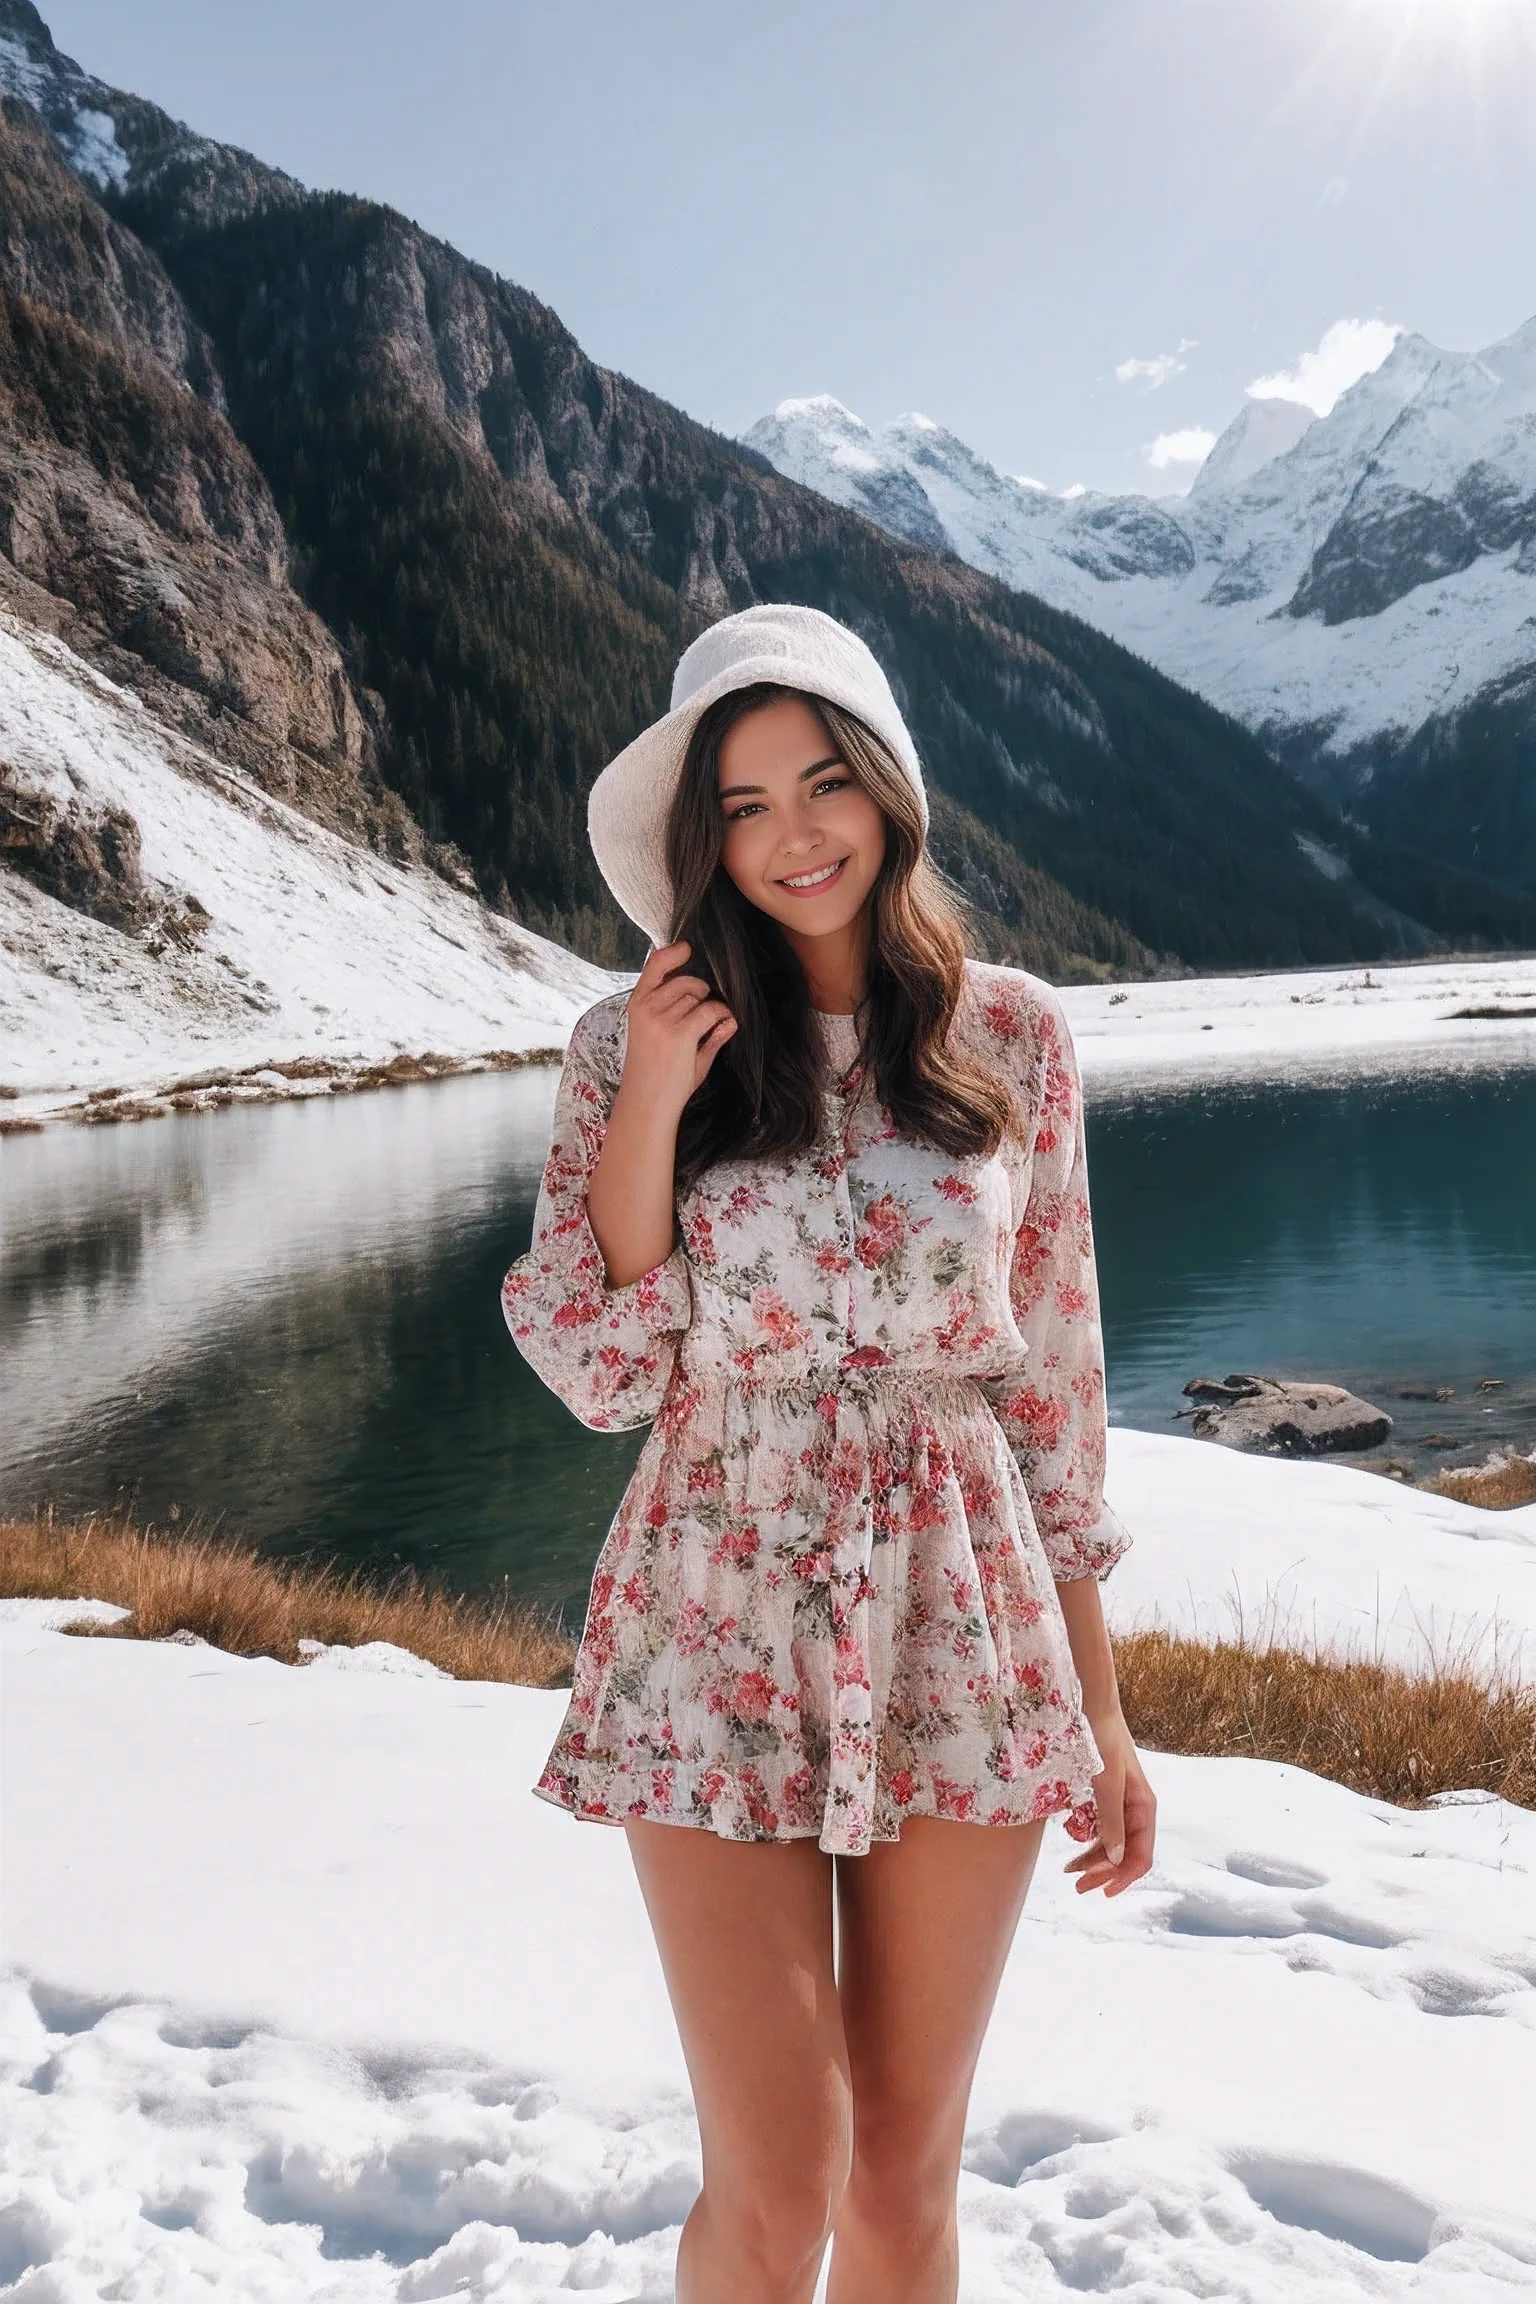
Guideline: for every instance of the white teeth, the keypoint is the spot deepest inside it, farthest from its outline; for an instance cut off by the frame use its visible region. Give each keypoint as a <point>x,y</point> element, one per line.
<point>812,879</point>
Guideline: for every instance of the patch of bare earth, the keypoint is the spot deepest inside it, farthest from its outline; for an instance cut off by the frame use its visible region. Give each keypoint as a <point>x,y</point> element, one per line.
<point>214,1090</point>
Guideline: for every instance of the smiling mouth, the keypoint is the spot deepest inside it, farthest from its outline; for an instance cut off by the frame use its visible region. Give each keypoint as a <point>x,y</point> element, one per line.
<point>812,883</point>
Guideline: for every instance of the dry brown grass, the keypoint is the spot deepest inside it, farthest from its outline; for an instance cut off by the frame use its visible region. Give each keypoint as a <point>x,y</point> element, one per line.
<point>1503,1484</point>
<point>1397,1736</point>
<point>234,1599</point>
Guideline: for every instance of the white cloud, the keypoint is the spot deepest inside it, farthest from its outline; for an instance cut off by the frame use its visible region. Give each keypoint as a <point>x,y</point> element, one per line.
<point>1026,480</point>
<point>1191,446</point>
<point>1158,369</point>
<point>1349,350</point>
<point>1076,489</point>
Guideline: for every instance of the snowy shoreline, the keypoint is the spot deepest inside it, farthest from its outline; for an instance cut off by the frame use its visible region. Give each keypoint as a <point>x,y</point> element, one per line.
<point>321,968</point>
<point>345,2014</point>
<point>1307,1024</point>
<point>1316,1025</point>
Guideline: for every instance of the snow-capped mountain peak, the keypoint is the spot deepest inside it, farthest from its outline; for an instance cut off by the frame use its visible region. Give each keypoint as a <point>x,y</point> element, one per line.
<point>1358,587</point>
<point>1259,432</point>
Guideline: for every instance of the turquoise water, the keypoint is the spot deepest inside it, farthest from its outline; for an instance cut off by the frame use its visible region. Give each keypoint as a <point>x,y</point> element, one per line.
<point>286,1317</point>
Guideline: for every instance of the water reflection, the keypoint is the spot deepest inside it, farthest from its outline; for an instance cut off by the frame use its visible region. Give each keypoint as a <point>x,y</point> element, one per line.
<point>288,1314</point>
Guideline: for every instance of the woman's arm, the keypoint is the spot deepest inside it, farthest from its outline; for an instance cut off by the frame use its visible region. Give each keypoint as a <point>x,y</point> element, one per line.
<point>1123,1799</point>
<point>1054,1417</point>
<point>598,1315</point>
<point>1056,1423</point>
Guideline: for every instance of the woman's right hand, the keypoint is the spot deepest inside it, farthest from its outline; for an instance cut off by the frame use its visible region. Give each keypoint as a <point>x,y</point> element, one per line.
<point>675,1031</point>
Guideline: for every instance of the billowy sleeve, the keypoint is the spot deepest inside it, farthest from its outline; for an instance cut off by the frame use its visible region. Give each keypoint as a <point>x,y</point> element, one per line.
<point>1055,1419</point>
<point>607,1352</point>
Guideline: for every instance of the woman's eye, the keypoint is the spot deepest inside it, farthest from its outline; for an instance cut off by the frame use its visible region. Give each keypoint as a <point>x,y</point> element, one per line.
<point>823,784</point>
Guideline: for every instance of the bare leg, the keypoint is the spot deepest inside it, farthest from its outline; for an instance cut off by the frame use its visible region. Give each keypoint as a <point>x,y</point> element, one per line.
<point>925,1926</point>
<point>745,1936</point>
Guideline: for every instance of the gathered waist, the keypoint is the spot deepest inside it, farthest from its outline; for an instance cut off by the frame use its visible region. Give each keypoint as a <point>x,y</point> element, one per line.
<point>849,1377</point>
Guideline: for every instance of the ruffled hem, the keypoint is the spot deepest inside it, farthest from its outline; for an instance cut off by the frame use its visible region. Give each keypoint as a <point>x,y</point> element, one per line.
<point>736,1804</point>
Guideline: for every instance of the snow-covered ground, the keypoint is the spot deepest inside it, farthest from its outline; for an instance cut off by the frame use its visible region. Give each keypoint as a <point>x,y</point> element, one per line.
<point>1306,1022</point>
<point>314,948</point>
<point>1319,1556</point>
<point>308,1998</point>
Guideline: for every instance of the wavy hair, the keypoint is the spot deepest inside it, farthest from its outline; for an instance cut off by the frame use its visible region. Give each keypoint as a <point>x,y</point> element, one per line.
<point>762,1096</point>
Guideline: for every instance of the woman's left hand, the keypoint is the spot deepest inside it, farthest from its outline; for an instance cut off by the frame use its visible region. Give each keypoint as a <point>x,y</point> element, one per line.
<point>1127,1815</point>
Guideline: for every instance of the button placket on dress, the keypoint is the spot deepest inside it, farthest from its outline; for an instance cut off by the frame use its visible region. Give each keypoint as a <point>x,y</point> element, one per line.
<point>851,1761</point>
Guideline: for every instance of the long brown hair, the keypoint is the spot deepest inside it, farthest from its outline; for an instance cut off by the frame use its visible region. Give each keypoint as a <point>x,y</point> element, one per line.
<point>761,1098</point>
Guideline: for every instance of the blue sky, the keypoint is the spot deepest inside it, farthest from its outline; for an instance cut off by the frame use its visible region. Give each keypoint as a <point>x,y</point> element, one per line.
<point>1068,229</point>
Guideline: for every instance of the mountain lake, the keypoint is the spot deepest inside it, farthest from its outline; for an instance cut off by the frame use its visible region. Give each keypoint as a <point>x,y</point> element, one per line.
<point>283,1319</point>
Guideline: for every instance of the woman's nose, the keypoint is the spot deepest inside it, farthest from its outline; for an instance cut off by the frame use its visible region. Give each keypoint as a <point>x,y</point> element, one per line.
<point>801,832</point>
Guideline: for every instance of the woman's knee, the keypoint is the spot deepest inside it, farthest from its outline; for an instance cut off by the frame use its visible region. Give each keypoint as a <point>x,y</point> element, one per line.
<point>778,2223</point>
<point>905,2170</point>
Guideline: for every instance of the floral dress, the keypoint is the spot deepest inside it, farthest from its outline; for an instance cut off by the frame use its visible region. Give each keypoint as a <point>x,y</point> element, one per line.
<point>875,1384</point>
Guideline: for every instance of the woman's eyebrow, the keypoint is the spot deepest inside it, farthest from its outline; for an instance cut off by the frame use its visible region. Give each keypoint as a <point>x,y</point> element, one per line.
<point>734,791</point>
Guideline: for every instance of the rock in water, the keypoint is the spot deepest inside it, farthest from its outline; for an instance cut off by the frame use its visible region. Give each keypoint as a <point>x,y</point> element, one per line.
<point>1276,1418</point>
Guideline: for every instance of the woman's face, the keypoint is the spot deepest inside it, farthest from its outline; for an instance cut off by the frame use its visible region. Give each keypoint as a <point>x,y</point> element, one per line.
<point>803,840</point>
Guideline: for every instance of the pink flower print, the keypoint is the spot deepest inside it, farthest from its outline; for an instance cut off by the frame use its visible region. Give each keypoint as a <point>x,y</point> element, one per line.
<point>798,1797</point>
<point>957,1188</point>
<point>692,1628</point>
<point>1071,1301</point>
<point>1039,1417</point>
<point>699,1237</point>
<point>777,1320</point>
<point>1003,1017</point>
<point>1082,1818</point>
<point>759,1807</point>
<point>903,1787</point>
<point>752,1698</point>
<point>954,1800</point>
<point>883,1231</point>
<point>737,1548</point>
<point>831,1259</point>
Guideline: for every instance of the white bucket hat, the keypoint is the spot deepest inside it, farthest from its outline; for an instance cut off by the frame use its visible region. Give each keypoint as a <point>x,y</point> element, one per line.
<point>629,804</point>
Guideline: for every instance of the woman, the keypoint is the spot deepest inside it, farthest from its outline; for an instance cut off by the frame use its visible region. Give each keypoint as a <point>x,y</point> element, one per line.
<point>816,1204</point>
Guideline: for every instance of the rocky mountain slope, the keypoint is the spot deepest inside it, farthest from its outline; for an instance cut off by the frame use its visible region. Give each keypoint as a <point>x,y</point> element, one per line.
<point>489,552</point>
<point>173,936</point>
<point>1358,589</point>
